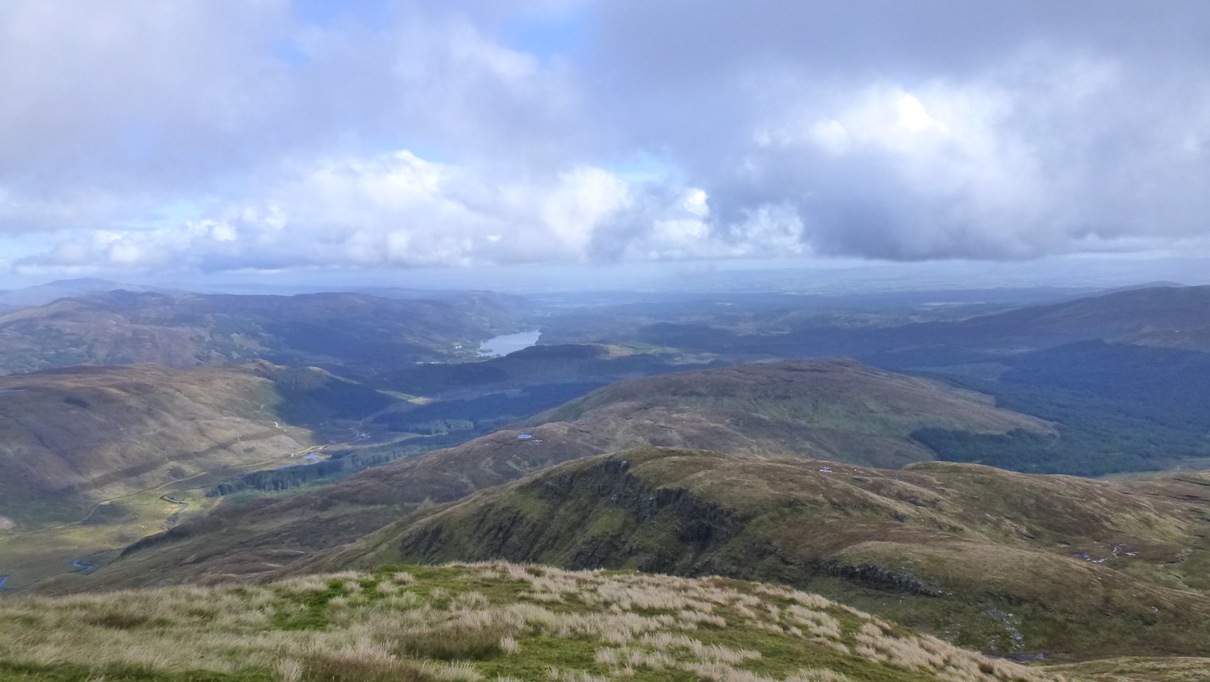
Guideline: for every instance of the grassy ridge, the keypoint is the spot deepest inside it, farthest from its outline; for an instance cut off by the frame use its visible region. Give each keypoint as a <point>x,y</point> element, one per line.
<point>828,409</point>
<point>475,622</point>
<point>995,560</point>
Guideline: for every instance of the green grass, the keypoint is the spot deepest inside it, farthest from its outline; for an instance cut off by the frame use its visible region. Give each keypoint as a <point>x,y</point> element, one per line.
<point>474,622</point>
<point>11,672</point>
<point>993,560</point>
<point>785,390</point>
<point>1172,669</point>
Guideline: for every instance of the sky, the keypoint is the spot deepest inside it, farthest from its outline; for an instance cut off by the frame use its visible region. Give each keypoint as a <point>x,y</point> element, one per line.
<point>241,137</point>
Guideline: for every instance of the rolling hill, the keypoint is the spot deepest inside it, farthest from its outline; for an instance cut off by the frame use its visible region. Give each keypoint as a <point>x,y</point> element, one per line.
<point>42,294</point>
<point>1148,314</point>
<point>354,334</point>
<point>1118,374</point>
<point>809,409</point>
<point>71,438</point>
<point>827,409</point>
<point>473,398</point>
<point>994,560</point>
<point>93,458</point>
<point>536,365</point>
<point>1117,407</point>
<point>1177,316</point>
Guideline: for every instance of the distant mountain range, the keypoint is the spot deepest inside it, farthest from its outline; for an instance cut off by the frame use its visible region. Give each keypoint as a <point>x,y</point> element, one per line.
<point>1151,314</point>
<point>353,333</point>
<point>64,288</point>
<point>1178,316</point>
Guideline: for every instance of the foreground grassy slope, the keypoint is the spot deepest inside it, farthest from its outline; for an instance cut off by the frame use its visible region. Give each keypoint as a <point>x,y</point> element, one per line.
<point>994,560</point>
<point>1138,669</point>
<point>478,622</point>
<point>822,409</point>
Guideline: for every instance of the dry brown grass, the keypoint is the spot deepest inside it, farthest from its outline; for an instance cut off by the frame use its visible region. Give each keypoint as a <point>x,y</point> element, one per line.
<point>460,622</point>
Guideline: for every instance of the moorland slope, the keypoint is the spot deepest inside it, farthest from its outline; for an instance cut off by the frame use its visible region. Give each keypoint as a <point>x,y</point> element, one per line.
<point>466,623</point>
<point>822,409</point>
<point>995,560</point>
<point>72,438</point>
<point>827,409</point>
<point>94,458</point>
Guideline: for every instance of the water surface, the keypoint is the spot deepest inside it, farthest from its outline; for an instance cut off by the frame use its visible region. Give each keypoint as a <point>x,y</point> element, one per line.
<point>508,343</point>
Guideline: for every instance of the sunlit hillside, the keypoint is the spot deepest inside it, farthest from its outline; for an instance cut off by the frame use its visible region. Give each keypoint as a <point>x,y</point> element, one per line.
<point>492,622</point>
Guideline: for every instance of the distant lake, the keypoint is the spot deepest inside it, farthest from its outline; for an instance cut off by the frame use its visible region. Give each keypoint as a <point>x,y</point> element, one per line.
<point>508,343</point>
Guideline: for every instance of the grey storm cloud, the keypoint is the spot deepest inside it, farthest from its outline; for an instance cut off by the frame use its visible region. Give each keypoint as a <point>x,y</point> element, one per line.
<point>678,41</point>
<point>222,135</point>
<point>1032,128</point>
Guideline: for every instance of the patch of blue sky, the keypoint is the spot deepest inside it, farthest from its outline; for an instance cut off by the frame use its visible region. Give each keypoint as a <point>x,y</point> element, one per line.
<point>16,247</point>
<point>327,12</point>
<point>178,212</point>
<point>550,35</point>
<point>20,244</point>
<point>139,140</point>
<point>288,52</point>
<point>425,148</point>
<point>643,166</point>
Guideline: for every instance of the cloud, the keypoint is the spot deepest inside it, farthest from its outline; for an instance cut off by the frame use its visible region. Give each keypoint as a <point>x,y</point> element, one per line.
<point>278,134</point>
<point>1013,166</point>
<point>179,97</point>
<point>391,210</point>
<point>914,131</point>
<point>398,210</point>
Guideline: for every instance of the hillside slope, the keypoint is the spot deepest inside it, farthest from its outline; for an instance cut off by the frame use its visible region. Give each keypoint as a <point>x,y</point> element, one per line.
<point>483,622</point>
<point>837,409</point>
<point>355,333</point>
<point>72,438</point>
<point>1177,316</point>
<point>93,458</point>
<point>999,561</point>
<point>827,409</point>
<point>1163,315</point>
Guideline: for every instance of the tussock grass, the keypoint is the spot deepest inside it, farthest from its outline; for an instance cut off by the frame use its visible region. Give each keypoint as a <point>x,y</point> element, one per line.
<point>458,642</point>
<point>494,621</point>
<point>1132,669</point>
